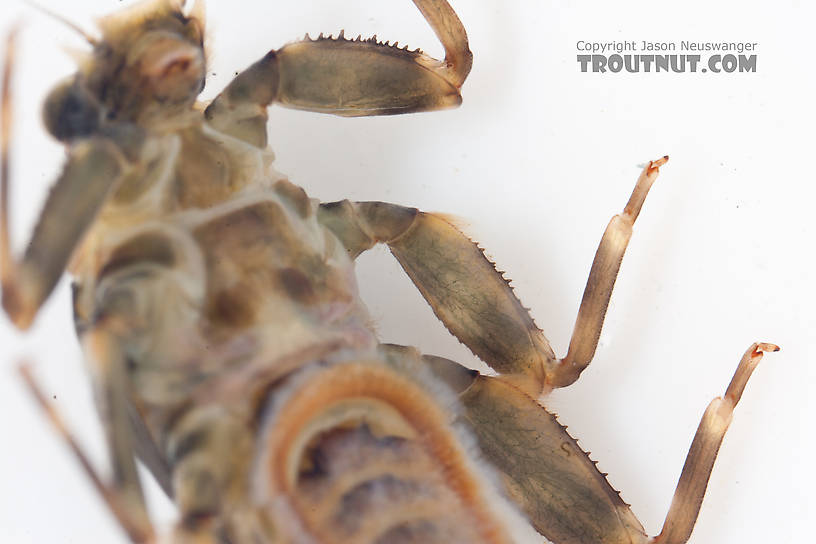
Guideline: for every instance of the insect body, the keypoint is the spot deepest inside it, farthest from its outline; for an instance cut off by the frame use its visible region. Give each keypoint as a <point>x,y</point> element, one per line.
<point>217,307</point>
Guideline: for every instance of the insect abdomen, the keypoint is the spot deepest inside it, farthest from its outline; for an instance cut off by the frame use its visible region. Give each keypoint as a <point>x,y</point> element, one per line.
<point>357,453</point>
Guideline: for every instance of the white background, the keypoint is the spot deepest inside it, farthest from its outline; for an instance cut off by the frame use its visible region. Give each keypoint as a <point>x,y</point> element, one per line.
<point>535,162</point>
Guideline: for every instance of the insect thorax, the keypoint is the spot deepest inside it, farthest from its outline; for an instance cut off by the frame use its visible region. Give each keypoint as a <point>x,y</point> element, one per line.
<point>232,304</point>
<point>215,267</point>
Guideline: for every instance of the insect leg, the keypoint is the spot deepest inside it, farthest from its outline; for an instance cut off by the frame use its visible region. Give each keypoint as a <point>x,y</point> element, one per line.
<point>601,280</point>
<point>473,300</point>
<point>136,526</point>
<point>347,77</point>
<point>448,28</point>
<point>5,142</point>
<point>696,472</point>
<point>544,470</point>
<point>109,374</point>
<point>555,483</point>
<point>93,168</point>
<point>462,286</point>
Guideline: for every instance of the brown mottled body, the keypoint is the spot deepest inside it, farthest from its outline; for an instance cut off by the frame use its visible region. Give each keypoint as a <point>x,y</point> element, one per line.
<point>218,309</point>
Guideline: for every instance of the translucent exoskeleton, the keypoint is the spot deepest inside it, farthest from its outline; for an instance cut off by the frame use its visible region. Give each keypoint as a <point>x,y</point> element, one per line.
<point>218,311</point>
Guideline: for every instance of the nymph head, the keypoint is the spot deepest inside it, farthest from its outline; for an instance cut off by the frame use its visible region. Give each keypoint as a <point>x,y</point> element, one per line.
<point>147,68</point>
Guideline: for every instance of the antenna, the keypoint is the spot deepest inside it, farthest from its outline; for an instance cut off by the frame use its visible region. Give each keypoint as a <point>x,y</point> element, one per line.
<point>90,39</point>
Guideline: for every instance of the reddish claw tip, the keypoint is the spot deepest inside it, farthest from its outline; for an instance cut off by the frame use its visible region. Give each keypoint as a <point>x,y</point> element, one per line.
<point>765,347</point>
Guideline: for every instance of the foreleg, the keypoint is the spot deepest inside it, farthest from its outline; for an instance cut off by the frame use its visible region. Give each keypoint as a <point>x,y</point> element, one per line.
<point>347,77</point>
